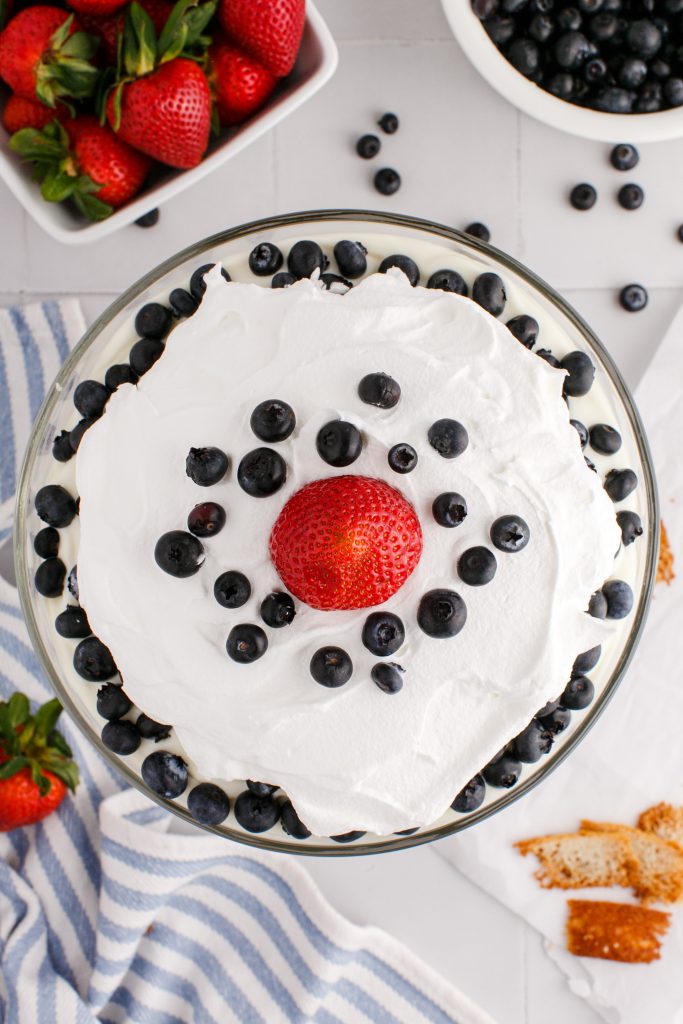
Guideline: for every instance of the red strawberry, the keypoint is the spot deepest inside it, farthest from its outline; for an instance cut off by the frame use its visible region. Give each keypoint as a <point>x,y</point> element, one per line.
<point>22,113</point>
<point>270,30</point>
<point>96,7</point>
<point>109,28</point>
<point>166,114</point>
<point>346,542</point>
<point>239,84</point>
<point>44,55</point>
<point>35,763</point>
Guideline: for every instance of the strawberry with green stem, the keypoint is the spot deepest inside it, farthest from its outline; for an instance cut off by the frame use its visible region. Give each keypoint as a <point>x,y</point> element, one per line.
<point>36,766</point>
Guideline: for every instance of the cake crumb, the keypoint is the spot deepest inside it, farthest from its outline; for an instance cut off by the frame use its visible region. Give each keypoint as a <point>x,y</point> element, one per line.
<point>665,565</point>
<point>615,931</point>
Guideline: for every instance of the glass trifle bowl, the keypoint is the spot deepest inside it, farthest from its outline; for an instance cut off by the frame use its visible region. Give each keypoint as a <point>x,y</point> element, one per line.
<point>160,764</point>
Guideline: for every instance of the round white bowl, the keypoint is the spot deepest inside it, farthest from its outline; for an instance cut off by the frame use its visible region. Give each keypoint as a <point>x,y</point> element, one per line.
<point>532,100</point>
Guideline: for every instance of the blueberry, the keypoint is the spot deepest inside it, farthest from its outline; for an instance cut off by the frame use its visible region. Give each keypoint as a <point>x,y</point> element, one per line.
<point>561,85</point>
<point>541,27</point>
<point>633,298</point>
<point>246,643</point>
<point>122,737</point>
<point>477,566</point>
<point>206,520</point>
<point>478,230</point>
<point>90,398</point>
<point>153,321</point>
<point>500,29</point>
<point>449,509</point>
<point>331,666</point>
<point>402,458</point>
<point>525,329</point>
<point>273,420</point>
<point>144,354</point>
<point>630,196</point>
<point>631,526</point>
<point>470,796</point>
<point>165,773</point>
<point>368,146</point>
<point>62,450</point>
<point>387,181</point>
<point>277,610</point>
<point>151,730</point>
<point>585,662</point>
<point>383,633</point>
<point>50,576</point>
<point>283,280</point>
<point>379,389</point>
<point>448,437</point>
<point>583,196</point>
<point>404,263</point>
<point>118,374</point>
<point>644,38</point>
<point>387,676</point>
<point>265,259</point>
<point>577,694</point>
<point>208,804</point>
<point>524,55</point>
<point>261,472</point>
<point>261,788</point>
<point>582,431</point>
<point>484,8</point>
<point>72,582</point>
<point>351,258</point>
<point>182,302</point>
<point>206,466</point>
<point>572,49</point>
<point>179,554</point>
<point>46,542</point>
<point>232,589</point>
<point>597,606</point>
<point>256,813</point>
<point>488,291</point>
<point>448,281</point>
<point>605,439</point>
<point>503,773</point>
<point>619,483</point>
<point>197,282</point>
<point>581,374</point>
<point>532,742</point>
<point>569,19</point>
<point>632,72</point>
<point>112,702</point>
<point>305,257</point>
<point>72,623</point>
<point>441,613</point>
<point>679,233</point>
<point>613,100</point>
<point>388,123</point>
<point>603,27</point>
<point>619,597</point>
<point>557,721</point>
<point>339,443</point>
<point>292,824</point>
<point>547,709</point>
<point>335,283</point>
<point>546,355</point>
<point>594,70</point>
<point>149,219</point>
<point>407,831</point>
<point>673,92</point>
<point>510,534</point>
<point>347,837</point>
<point>93,661</point>
<point>55,506</point>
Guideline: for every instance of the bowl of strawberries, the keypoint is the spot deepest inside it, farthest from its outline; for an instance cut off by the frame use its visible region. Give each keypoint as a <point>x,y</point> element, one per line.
<point>110,108</point>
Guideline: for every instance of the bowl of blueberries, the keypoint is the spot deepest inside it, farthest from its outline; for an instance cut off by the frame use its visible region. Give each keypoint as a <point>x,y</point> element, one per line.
<point>588,67</point>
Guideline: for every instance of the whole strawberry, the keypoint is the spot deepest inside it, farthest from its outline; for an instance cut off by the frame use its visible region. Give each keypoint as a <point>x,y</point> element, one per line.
<point>22,113</point>
<point>346,542</point>
<point>36,767</point>
<point>97,7</point>
<point>270,30</point>
<point>239,84</point>
<point>109,27</point>
<point>44,56</point>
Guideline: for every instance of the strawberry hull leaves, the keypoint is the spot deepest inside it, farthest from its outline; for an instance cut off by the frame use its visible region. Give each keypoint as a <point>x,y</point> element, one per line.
<point>66,69</point>
<point>31,742</point>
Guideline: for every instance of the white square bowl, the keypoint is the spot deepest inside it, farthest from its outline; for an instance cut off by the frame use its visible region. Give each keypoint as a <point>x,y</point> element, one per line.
<point>315,64</point>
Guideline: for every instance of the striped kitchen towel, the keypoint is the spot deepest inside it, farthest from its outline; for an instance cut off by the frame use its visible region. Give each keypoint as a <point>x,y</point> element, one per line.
<point>107,916</point>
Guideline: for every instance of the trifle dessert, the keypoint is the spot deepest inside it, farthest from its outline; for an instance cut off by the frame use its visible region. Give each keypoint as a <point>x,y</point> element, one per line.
<point>345,544</point>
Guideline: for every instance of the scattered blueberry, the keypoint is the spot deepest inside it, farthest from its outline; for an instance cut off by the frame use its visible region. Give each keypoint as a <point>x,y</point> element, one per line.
<point>477,566</point>
<point>478,230</point>
<point>449,509</point>
<point>182,302</point>
<point>283,280</point>
<point>630,196</point>
<point>208,804</point>
<point>448,281</point>
<point>441,613</point>
<point>118,374</point>
<point>90,398</point>
<point>387,181</point>
<point>586,661</point>
<point>261,472</point>
<point>50,576</point>
<point>151,730</point>
<point>351,258</point>
<point>503,773</point>
<point>347,837</point>
<point>510,534</point>
<point>633,298</point>
<point>404,263</point>
<point>387,676</point>
<point>265,259</point>
<point>368,146</point>
<point>149,219</point>
<point>206,466</point>
<point>546,355</point>
<point>532,742</point>
<point>292,824</point>
<point>246,643</point>
<point>580,374</point>
<point>470,796</point>
<point>232,589</point>
<point>93,661</point>
<point>76,435</point>
<point>379,389</point>
<point>577,694</point>
<point>488,291</point>
<point>197,282</point>
<point>206,520</point>
<point>261,788</point>
<point>277,610</point>
<point>72,623</point>
<point>631,526</point>
<point>619,483</point>
<point>55,506</point>
<point>179,554</point>
<point>305,257</point>
<point>679,233</point>
<point>605,439</point>
<point>256,813</point>
<point>153,321</point>
<point>72,582</point>
<point>581,430</point>
<point>525,329</point>
<point>339,443</point>
<point>331,666</point>
<point>619,597</point>
<point>402,458</point>
<point>273,420</point>
<point>144,354</point>
<point>583,196</point>
<point>388,123</point>
<point>46,542</point>
<point>112,702</point>
<point>597,606</point>
<point>557,720</point>
<point>62,450</point>
<point>121,737</point>
<point>383,633</point>
<point>448,437</point>
<point>165,773</point>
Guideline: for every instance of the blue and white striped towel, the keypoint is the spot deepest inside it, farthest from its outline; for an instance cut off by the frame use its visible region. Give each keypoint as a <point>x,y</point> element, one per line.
<point>106,917</point>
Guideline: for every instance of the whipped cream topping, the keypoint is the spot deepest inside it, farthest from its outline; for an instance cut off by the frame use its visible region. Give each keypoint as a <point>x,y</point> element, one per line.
<point>353,757</point>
